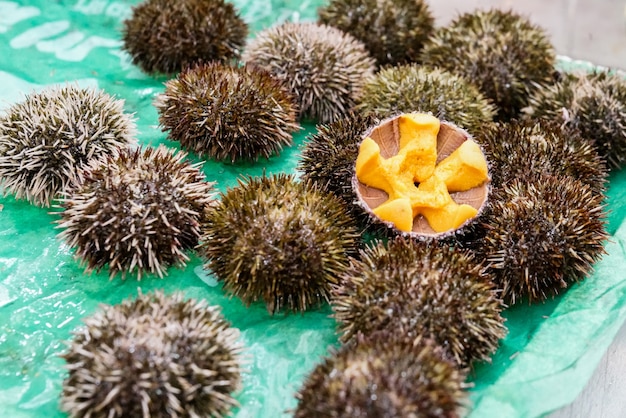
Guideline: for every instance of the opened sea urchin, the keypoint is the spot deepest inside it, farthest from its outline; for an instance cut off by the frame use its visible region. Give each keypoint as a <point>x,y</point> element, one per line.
<point>47,138</point>
<point>501,52</point>
<point>322,66</point>
<point>393,31</point>
<point>280,241</point>
<point>227,112</point>
<point>409,288</point>
<point>137,212</point>
<point>384,376</point>
<point>154,356</point>
<point>164,36</point>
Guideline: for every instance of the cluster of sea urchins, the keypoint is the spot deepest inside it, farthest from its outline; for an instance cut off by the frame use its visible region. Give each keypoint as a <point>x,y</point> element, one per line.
<point>137,212</point>
<point>155,356</point>
<point>47,138</point>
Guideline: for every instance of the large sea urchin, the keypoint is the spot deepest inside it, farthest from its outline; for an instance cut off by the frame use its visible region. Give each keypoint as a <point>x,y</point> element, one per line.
<point>280,241</point>
<point>384,376</point>
<point>48,137</point>
<point>439,292</point>
<point>155,356</point>
<point>393,31</point>
<point>501,52</point>
<point>324,67</point>
<point>227,112</point>
<point>167,36</point>
<point>413,88</point>
<point>137,212</point>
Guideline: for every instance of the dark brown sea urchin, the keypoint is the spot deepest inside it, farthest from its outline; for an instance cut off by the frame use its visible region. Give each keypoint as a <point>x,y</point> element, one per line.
<point>409,288</point>
<point>228,113</point>
<point>393,31</point>
<point>280,241</point>
<point>48,137</point>
<point>324,67</point>
<point>164,36</point>
<point>384,376</point>
<point>137,212</point>
<point>155,356</point>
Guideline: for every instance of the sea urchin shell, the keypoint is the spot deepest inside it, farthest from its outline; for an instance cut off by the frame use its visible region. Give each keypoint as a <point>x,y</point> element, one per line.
<point>154,356</point>
<point>137,212</point>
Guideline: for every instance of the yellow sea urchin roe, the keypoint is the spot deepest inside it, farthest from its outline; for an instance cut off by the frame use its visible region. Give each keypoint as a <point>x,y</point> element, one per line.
<point>415,183</point>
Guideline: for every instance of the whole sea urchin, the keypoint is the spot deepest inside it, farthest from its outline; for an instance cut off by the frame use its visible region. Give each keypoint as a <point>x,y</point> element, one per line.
<point>501,52</point>
<point>227,112</point>
<point>409,288</point>
<point>280,241</point>
<point>543,234</point>
<point>413,88</point>
<point>324,67</point>
<point>137,212</point>
<point>592,103</point>
<point>167,36</point>
<point>48,137</point>
<point>155,356</point>
<point>384,375</point>
<point>393,31</point>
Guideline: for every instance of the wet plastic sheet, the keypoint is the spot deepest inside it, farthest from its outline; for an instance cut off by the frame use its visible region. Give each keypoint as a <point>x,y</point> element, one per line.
<point>549,354</point>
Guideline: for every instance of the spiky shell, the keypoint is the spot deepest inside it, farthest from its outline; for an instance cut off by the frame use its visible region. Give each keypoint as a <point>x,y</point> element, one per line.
<point>228,113</point>
<point>502,52</point>
<point>384,376</point>
<point>280,241</point>
<point>592,103</point>
<point>324,67</point>
<point>137,212</point>
<point>155,356</point>
<point>544,233</point>
<point>414,88</point>
<point>393,31</point>
<point>438,292</point>
<point>520,147</point>
<point>49,136</point>
<point>164,36</point>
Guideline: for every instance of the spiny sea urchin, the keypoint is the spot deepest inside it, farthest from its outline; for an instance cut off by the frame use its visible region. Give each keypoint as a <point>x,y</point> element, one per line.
<point>520,147</point>
<point>393,31</point>
<point>384,376</point>
<point>501,52</point>
<point>48,137</point>
<point>413,88</point>
<point>593,103</point>
<point>137,212</point>
<point>228,112</point>
<point>154,356</point>
<point>438,292</point>
<point>324,67</point>
<point>280,241</point>
<point>167,36</point>
<point>544,233</point>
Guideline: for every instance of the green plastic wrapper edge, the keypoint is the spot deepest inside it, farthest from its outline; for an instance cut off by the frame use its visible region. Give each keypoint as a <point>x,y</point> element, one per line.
<point>544,362</point>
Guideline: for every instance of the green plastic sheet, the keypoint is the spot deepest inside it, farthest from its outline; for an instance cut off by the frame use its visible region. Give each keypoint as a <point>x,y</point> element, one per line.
<point>546,359</point>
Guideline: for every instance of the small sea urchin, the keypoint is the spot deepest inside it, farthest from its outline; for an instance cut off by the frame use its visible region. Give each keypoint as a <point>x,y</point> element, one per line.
<point>227,112</point>
<point>154,356</point>
<point>409,288</point>
<point>393,31</point>
<point>413,88</point>
<point>501,52</point>
<point>544,233</point>
<point>322,66</point>
<point>48,137</point>
<point>280,241</point>
<point>594,104</point>
<point>137,212</point>
<point>167,36</point>
<point>384,376</point>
